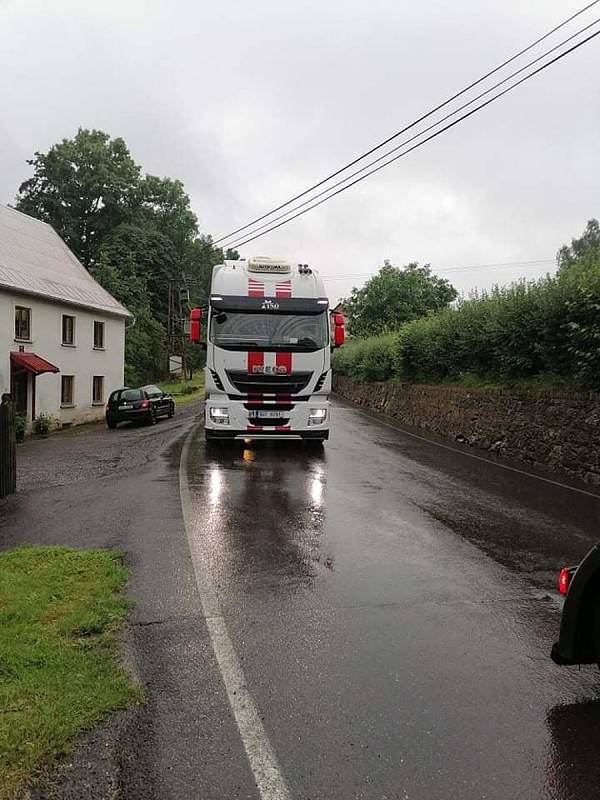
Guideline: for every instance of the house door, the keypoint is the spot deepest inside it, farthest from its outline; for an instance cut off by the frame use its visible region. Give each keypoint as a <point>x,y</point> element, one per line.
<point>20,385</point>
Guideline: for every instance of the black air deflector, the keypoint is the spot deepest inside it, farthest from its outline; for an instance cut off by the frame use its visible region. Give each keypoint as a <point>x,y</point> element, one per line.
<point>271,305</point>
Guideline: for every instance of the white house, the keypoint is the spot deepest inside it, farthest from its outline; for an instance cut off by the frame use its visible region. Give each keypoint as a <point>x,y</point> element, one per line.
<point>62,336</point>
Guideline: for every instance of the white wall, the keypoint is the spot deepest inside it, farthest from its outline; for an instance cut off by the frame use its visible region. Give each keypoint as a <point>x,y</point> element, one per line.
<point>82,360</point>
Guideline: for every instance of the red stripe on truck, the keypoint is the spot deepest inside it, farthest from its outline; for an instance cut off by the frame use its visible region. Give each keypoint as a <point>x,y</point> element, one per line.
<point>283,289</point>
<point>255,288</point>
<point>255,359</point>
<point>284,360</point>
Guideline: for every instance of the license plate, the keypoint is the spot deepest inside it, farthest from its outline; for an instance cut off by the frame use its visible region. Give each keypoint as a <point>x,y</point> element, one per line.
<point>125,406</point>
<point>266,414</point>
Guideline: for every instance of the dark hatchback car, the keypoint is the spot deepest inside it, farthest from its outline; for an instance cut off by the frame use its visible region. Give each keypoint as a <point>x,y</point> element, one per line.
<point>145,404</point>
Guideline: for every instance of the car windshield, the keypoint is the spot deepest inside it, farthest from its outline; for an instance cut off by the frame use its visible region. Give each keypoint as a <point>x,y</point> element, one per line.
<point>153,391</point>
<point>295,332</point>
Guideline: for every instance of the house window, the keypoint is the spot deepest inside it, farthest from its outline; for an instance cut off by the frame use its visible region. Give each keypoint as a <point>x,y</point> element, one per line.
<point>98,389</point>
<point>22,323</point>
<point>67,386</point>
<point>98,335</point>
<point>68,329</point>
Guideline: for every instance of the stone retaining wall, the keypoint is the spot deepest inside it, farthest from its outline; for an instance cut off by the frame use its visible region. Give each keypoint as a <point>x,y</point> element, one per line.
<point>555,430</point>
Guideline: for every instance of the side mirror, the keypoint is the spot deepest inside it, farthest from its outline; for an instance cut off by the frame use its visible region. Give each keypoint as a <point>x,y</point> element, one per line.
<point>339,329</point>
<point>195,324</point>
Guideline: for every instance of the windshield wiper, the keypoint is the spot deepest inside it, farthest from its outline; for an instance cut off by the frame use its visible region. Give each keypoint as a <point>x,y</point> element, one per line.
<point>307,342</point>
<point>240,343</point>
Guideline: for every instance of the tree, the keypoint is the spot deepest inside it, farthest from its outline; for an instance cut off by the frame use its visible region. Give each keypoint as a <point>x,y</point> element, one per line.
<point>395,296</point>
<point>164,205</point>
<point>584,250</point>
<point>135,233</point>
<point>146,337</point>
<point>84,187</point>
<point>144,253</point>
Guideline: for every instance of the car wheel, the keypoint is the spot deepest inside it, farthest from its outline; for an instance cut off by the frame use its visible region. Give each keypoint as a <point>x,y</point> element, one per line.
<point>111,424</point>
<point>171,412</point>
<point>152,417</point>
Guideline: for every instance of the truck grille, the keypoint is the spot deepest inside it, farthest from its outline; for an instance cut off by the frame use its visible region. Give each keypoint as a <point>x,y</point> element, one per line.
<point>269,384</point>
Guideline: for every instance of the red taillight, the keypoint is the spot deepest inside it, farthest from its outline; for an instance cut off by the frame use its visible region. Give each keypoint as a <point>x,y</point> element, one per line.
<point>145,404</point>
<point>564,579</point>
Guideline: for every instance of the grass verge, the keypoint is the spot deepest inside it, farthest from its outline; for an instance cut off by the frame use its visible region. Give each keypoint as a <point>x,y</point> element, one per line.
<point>59,670</point>
<point>185,392</point>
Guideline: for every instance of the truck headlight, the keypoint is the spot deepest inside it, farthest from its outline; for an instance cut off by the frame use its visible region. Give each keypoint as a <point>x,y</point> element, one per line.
<point>317,416</point>
<point>220,416</point>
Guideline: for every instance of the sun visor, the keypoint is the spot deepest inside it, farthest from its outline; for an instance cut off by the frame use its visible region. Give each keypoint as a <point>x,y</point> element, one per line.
<point>272,305</point>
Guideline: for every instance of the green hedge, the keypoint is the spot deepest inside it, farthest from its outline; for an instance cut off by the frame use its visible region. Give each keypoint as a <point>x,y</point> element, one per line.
<point>549,326</point>
<point>370,359</point>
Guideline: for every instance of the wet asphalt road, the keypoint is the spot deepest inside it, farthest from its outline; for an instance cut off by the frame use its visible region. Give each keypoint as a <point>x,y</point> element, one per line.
<point>390,603</point>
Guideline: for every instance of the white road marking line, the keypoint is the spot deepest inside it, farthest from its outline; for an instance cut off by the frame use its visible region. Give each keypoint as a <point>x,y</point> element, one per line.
<point>262,759</point>
<point>456,450</point>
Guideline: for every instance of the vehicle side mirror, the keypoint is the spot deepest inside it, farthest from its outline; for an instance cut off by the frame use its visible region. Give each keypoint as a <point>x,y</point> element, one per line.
<point>195,324</point>
<point>339,329</point>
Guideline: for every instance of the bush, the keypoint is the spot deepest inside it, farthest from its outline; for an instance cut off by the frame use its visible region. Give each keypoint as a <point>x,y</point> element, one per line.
<point>43,424</point>
<point>370,359</point>
<point>548,327</point>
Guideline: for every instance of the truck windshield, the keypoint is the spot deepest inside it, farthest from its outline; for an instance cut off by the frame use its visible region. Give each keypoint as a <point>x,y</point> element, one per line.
<point>294,332</point>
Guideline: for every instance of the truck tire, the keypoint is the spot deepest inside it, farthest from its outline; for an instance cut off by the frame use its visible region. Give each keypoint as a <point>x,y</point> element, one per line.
<point>596,633</point>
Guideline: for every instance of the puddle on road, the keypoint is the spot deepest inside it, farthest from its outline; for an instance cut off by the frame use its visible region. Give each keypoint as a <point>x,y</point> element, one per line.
<point>261,508</point>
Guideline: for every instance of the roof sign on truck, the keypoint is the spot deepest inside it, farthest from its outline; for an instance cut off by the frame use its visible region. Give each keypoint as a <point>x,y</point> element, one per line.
<point>262,264</point>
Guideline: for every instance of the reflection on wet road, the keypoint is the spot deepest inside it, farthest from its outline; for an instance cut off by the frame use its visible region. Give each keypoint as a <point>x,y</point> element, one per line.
<point>387,600</point>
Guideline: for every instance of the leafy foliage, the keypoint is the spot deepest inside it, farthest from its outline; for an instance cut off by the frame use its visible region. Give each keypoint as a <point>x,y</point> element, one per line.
<point>395,296</point>
<point>370,359</point>
<point>135,233</point>
<point>84,187</point>
<point>548,327</point>
<point>585,250</point>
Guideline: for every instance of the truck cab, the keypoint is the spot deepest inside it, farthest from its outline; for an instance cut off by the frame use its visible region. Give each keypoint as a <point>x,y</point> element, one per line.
<point>269,336</point>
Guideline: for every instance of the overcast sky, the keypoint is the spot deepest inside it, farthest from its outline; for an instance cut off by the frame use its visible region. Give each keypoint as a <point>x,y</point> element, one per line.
<point>249,102</point>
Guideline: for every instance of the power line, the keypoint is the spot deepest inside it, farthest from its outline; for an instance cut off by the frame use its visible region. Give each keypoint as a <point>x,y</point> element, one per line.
<point>502,265</point>
<point>429,138</point>
<point>420,133</point>
<point>412,124</point>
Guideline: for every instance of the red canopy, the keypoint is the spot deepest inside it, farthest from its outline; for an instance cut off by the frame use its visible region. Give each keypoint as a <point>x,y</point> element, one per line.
<point>32,363</point>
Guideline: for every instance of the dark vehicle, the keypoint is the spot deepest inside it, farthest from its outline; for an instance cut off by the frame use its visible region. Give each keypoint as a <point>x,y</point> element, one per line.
<point>145,404</point>
<point>579,639</point>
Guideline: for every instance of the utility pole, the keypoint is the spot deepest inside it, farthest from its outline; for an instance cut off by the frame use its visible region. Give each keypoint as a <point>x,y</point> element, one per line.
<point>179,300</point>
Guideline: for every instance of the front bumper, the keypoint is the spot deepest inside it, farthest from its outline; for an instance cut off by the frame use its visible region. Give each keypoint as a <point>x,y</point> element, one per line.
<point>294,423</point>
<point>229,435</point>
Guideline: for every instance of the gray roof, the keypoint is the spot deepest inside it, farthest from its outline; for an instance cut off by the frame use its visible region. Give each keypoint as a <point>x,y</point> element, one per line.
<point>35,260</point>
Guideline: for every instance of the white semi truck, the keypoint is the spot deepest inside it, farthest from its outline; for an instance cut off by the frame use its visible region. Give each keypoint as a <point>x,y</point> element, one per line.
<point>269,337</point>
